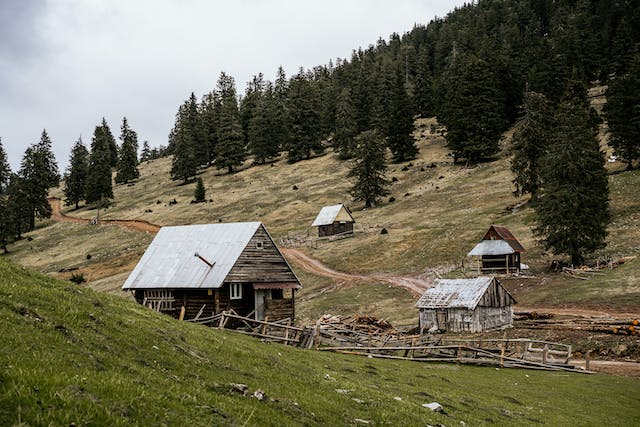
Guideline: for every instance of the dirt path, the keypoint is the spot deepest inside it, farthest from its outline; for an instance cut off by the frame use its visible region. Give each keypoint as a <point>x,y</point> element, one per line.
<point>415,285</point>
<point>134,224</point>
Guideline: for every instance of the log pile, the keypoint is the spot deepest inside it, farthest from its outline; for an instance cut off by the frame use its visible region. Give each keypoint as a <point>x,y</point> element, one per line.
<point>597,325</point>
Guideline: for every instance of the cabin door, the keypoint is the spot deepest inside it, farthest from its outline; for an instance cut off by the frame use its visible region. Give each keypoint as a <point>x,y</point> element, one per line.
<point>261,296</point>
<point>441,317</point>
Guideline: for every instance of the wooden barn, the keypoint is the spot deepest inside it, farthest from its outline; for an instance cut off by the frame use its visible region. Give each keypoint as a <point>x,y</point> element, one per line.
<point>198,271</point>
<point>465,305</point>
<point>334,220</point>
<point>498,252</point>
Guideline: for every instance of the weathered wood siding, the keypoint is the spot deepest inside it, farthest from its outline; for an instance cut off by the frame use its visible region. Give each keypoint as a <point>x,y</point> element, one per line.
<point>337,227</point>
<point>465,320</point>
<point>261,264</point>
<point>498,263</point>
<point>276,309</point>
<point>496,296</point>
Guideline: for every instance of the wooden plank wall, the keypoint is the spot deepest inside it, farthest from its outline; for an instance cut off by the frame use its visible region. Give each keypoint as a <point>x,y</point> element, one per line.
<point>260,265</point>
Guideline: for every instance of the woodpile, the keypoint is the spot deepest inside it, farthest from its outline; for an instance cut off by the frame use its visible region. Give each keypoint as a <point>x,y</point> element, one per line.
<point>599,325</point>
<point>629,329</point>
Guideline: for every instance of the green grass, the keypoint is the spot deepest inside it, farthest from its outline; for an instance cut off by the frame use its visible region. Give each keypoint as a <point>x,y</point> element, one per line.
<point>70,354</point>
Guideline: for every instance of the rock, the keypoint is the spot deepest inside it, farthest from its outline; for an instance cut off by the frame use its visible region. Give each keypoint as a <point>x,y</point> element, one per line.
<point>327,376</point>
<point>384,231</point>
<point>259,394</point>
<point>355,399</point>
<point>342,390</point>
<point>399,399</point>
<point>361,421</point>
<point>240,388</point>
<point>434,406</point>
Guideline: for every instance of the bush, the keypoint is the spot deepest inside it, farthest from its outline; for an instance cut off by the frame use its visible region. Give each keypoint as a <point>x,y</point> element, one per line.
<point>77,278</point>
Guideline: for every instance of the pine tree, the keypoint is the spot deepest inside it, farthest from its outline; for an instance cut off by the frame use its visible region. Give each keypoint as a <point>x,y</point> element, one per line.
<point>111,143</point>
<point>572,212</point>
<point>184,164</point>
<point>530,143</point>
<point>346,127</point>
<point>400,127</point>
<point>5,226</point>
<point>249,104</point>
<point>305,119</point>
<point>422,89</point>
<point>18,207</point>
<point>281,121</point>
<point>99,189</point>
<point>262,129</point>
<point>75,178</point>
<point>145,155</point>
<point>231,151</point>
<point>199,193</point>
<point>622,112</point>
<point>39,172</point>
<point>369,168</point>
<point>472,109</point>
<point>209,113</point>
<point>127,168</point>
<point>5,169</point>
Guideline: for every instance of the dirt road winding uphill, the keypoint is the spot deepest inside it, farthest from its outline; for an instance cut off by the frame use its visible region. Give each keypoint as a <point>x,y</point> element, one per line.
<point>415,285</point>
<point>134,224</point>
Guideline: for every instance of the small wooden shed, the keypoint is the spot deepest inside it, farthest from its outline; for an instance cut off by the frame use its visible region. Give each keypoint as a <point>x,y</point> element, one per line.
<point>198,271</point>
<point>334,220</point>
<point>465,305</point>
<point>498,252</point>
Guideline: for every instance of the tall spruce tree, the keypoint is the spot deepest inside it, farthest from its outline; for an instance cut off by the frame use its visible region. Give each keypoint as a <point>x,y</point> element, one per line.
<point>262,129</point>
<point>369,168</point>
<point>472,109</point>
<point>184,164</point>
<point>5,226</point>
<point>400,126</point>
<point>572,212</point>
<point>75,177</point>
<point>281,120</point>
<point>5,169</point>
<point>18,206</point>
<point>127,168</point>
<point>199,193</point>
<point>346,130</point>
<point>304,114</point>
<point>111,142</point>
<point>145,154</point>
<point>231,151</point>
<point>99,189</point>
<point>622,112</point>
<point>530,143</point>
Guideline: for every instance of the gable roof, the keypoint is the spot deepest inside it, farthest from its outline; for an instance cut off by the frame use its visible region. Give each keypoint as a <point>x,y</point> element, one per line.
<point>178,256</point>
<point>504,234</point>
<point>491,247</point>
<point>328,215</point>
<point>455,293</point>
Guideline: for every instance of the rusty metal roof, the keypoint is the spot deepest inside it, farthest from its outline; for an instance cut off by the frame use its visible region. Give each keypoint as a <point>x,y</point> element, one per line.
<point>328,215</point>
<point>491,247</point>
<point>504,233</point>
<point>455,293</point>
<point>191,256</point>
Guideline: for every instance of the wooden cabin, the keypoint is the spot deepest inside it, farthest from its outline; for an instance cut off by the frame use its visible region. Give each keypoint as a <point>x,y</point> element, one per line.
<point>198,271</point>
<point>498,252</point>
<point>334,220</point>
<point>465,305</point>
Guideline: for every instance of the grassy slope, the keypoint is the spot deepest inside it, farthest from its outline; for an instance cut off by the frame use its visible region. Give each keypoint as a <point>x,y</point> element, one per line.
<point>70,354</point>
<point>441,211</point>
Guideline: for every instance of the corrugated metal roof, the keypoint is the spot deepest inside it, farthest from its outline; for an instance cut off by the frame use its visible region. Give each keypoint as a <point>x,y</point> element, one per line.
<point>506,235</point>
<point>328,215</point>
<point>455,293</point>
<point>171,260</point>
<point>491,247</point>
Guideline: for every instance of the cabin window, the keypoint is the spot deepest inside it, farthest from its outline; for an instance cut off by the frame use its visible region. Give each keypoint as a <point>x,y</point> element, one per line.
<point>276,294</point>
<point>236,290</point>
<point>259,245</point>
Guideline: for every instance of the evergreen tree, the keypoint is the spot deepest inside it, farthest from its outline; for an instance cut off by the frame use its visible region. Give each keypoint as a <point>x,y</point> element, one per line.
<point>305,119</point>
<point>249,104</point>
<point>572,212</point>
<point>530,143</point>
<point>422,89</point>
<point>99,188</point>
<point>281,120</point>
<point>346,127</point>
<point>400,127</point>
<point>231,151</point>
<point>472,109</point>
<point>145,155</point>
<point>75,178</point>
<point>369,169</point>
<point>111,143</point>
<point>127,168</point>
<point>17,208</point>
<point>263,129</point>
<point>5,169</point>
<point>622,112</point>
<point>39,172</point>
<point>5,226</point>
<point>184,164</point>
<point>209,113</point>
<point>199,193</point>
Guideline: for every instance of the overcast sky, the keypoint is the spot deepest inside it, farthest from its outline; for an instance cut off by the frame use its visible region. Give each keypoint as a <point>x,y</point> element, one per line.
<point>65,64</point>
